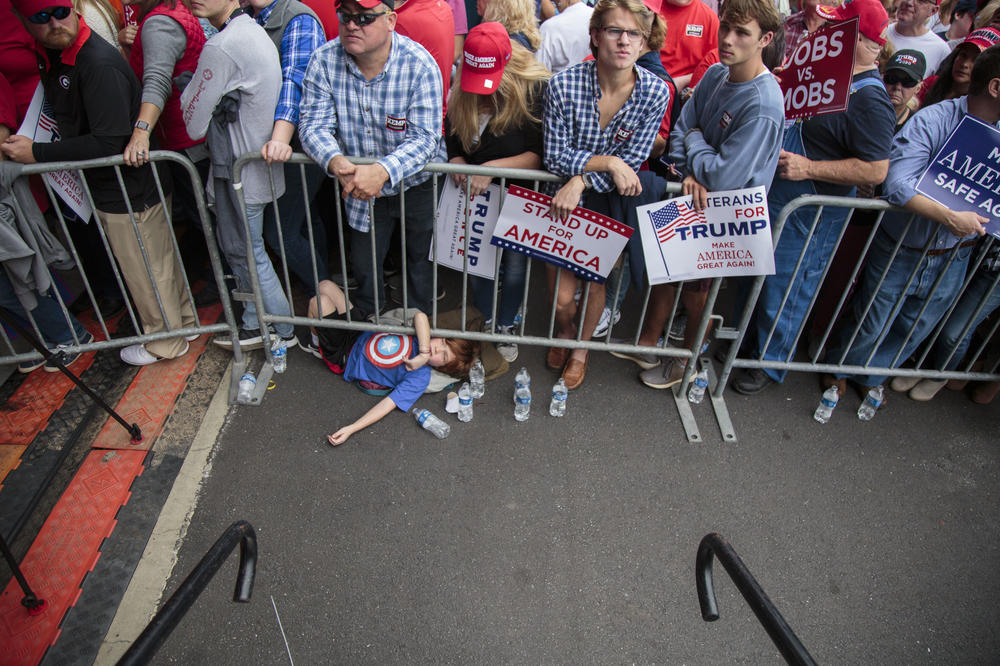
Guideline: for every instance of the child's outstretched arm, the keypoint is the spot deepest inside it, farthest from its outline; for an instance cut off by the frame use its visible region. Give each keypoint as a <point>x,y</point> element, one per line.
<point>423,327</point>
<point>373,415</point>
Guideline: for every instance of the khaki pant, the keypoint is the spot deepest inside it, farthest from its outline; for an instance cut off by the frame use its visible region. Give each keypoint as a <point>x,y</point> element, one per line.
<point>166,269</point>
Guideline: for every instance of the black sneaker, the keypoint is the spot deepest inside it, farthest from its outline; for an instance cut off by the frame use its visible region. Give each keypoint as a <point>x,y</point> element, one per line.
<point>68,358</point>
<point>248,339</point>
<point>749,381</point>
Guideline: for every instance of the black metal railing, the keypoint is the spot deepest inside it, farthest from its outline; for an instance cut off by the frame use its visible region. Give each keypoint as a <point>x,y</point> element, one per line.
<point>714,544</point>
<point>160,627</point>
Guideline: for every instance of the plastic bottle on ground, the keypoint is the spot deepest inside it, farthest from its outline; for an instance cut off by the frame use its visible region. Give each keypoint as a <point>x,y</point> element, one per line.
<point>696,393</point>
<point>826,405</point>
<point>558,405</point>
<point>431,423</point>
<point>465,403</point>
<point>477,380</point>
<point>247,384</point>
<point>522,404</point>
<point>521,380</point>
<point>279,355</point>
<point>871,404</point>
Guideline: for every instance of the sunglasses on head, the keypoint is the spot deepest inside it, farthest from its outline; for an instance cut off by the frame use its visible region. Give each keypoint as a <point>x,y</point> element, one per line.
<point>893,78</point>
<point>43,17</point>
<point>360,20</point>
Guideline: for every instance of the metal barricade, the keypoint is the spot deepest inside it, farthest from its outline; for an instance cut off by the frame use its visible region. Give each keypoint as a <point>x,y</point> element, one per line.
<point>531,330</point>
<point>923,362</point>
<point>65,225</point>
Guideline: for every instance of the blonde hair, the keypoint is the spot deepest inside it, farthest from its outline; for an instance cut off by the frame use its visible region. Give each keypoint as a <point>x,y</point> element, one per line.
<point>643,16</point>
<point>520,89</point>
<point>985,15</point>
<point>517,16</point>
<point>108,13</point>
<point>657,33</point>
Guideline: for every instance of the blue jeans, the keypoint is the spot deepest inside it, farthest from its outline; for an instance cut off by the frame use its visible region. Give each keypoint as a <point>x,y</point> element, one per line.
<point>294,232</point>
<point>275,301</point>
<point>980,290</point>
<point>801,286</point>
<point>47,315</point>
<point>880,317</point>
<point>419,231</point>
<point>515,265</point>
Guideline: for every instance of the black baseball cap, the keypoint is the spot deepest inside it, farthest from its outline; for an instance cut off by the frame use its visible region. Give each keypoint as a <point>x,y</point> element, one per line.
<point>910,62</point>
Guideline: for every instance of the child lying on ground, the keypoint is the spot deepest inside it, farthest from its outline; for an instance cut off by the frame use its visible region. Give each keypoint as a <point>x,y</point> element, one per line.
<point>400,362</point>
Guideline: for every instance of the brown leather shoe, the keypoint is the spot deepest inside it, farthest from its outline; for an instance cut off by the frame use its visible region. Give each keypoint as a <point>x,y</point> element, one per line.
<point>574,372</point>
<point>841,384</point>
<point>556,358</point>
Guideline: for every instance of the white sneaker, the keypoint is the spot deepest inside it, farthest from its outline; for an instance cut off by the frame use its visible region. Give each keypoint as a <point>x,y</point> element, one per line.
<point>605,322</point>
<point>137,355</point>
<point>508,350</point>
<point>926,389</point>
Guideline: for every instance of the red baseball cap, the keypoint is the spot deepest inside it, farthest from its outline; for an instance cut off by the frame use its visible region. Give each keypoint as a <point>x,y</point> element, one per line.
<point>28,7</point>
<point>371,4</point>
<point>983,38</point>
<point>653,5</point>
<point>872,17</point>
<point>487,50</point>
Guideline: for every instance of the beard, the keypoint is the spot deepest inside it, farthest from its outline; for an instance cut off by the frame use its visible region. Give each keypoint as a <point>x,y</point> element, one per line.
<point>59,39</point>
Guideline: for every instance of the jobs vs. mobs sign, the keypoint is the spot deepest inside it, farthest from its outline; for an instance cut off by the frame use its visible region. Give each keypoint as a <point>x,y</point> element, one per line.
<point>586,242</point>
<point>965,174</point>
<point>816,79</point>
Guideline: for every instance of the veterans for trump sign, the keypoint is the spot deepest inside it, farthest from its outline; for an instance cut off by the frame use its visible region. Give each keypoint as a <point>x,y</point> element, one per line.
<point>586,242</point>
<point>816,78</point>
<point>731,236</point>
<point>464,231</point>
<point>965,174</point>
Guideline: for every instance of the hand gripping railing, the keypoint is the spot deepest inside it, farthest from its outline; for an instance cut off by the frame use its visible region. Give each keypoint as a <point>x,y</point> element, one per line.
<point>159,628</point>
<point>713,544</point>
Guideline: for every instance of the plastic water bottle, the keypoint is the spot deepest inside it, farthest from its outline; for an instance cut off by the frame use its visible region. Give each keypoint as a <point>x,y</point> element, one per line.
<point>431,423</point>
<point>465,403</point>
<point>279,355</point>
<point>521,380</point>
<point>825,409</point>
<point>477,379</point>
<point>247,384</point>
<point>871,404</point>
<point>558,405</point>
<point>696,393</point>
<point>522,404</point>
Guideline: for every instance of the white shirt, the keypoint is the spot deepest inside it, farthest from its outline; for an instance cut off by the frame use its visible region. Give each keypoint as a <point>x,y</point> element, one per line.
<point>566,38</point>
<point>934,48</point>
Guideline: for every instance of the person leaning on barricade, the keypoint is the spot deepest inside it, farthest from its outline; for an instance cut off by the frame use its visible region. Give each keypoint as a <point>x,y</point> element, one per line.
<point>374,93</point>
<point>728,137</point>
<point>500,80</point>
<point>231,99</point>
<point>827,155</point>
<point>904,311</point>
<point>95,101</point>
<point>598,147</point>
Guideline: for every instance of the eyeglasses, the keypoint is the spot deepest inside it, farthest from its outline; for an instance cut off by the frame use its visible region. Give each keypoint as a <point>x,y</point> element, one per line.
<point>892,79</point>
<point>616,34</point>
<point>43,17</point>
<point>360,20</point>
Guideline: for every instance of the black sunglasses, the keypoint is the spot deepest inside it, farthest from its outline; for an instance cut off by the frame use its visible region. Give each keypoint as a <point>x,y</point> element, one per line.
<point>43,17</point>
<point>892,78</point>
<point>360,20</point>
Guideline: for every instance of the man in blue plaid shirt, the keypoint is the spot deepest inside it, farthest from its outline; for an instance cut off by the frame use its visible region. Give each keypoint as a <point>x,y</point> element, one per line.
<point>600,121</point>
<point>374,93</point>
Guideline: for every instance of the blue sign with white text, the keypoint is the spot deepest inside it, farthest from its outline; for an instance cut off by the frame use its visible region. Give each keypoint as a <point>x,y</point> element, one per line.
<point>965,174</point>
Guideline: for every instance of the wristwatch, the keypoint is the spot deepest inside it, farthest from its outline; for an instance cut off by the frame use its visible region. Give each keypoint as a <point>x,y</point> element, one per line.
<point>586,181</point>
<point>141,124</point>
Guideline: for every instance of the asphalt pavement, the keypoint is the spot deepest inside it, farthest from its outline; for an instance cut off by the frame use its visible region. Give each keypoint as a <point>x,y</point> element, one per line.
<point>573,540</point>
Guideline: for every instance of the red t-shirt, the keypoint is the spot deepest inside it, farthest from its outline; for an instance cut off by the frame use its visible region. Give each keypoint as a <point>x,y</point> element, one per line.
<point>692,31</point>
<point>430,23</point>
<point>327,13</point>
<point>18,62</point>
<point>710,59</point>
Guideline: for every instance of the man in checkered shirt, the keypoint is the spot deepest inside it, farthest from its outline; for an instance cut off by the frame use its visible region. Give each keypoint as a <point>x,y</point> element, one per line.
<point>600,120</point>
<point>374,93</point>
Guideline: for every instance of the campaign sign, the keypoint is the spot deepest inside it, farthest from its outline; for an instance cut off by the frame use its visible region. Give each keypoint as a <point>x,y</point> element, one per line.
<point>816,79</point>
<point>129,11</point>
<point>731,236</point>
<point>586,242</point>
<point>451,226</point>
<point>965,174</point>
<point>39,125</point>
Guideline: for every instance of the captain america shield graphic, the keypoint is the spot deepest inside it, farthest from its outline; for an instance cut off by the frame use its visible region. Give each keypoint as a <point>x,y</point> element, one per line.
<point>387,350</point>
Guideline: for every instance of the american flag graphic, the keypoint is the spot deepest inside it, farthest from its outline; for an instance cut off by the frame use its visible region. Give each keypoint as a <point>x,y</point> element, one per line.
<point>47,123</point>
<point>666,220</point>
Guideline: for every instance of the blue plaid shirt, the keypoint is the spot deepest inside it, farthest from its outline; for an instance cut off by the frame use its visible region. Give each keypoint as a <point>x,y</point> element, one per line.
<point>302,36</point>
<point>396,117</point>
<point>572,127</point>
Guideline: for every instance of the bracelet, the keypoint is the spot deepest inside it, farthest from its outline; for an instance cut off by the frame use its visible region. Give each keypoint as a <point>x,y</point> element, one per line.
<point>425,351</point>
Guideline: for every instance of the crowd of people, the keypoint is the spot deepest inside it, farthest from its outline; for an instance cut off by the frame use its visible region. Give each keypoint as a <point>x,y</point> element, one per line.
<point>616,97</point>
